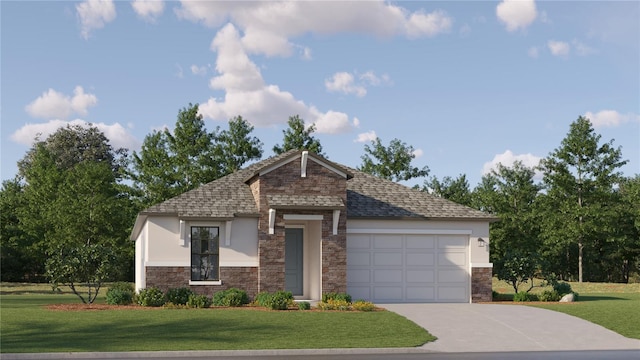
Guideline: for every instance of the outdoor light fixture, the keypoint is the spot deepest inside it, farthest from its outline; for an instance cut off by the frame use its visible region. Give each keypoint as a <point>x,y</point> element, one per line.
<point>481,242</point>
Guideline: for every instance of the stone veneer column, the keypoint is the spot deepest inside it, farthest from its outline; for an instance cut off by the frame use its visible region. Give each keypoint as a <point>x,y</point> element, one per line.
<point>481,285</point>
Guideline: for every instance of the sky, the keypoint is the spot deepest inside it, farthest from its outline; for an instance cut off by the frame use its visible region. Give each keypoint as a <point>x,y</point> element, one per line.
<point>467,84</point>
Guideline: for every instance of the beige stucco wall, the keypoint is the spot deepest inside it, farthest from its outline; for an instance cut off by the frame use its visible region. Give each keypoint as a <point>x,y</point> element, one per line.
<point>162,245</point>
<point>477,229</point>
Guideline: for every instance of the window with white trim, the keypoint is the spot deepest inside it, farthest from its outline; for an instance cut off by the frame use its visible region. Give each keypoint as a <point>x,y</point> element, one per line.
<point>205,253</point>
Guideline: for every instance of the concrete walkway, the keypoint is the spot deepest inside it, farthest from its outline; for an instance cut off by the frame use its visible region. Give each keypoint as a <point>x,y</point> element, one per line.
<point>493,328</point>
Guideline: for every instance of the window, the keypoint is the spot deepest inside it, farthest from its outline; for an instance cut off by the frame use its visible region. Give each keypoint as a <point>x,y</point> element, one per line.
<point>205,253</point>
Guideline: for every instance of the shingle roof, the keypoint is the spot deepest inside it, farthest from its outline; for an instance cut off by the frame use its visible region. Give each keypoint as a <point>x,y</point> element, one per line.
<point>367,197</point>
<point>281,201</point>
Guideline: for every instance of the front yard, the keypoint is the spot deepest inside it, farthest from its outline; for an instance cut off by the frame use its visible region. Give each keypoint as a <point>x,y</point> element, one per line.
<point>27,325</point>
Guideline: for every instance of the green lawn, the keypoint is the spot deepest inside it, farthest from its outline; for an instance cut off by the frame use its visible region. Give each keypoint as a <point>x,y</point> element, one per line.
<point>614,306</point>
<point>26,325</point>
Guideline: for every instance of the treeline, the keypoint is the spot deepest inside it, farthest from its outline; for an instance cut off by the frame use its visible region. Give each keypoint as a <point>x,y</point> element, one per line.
<point>67,215</point>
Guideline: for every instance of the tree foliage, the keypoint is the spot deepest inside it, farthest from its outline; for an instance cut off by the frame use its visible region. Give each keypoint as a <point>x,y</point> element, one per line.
<point>236,146</point>
<point>456,190</point>
<point>579,178</point>
<point>297,136</point>
<point>392,162</point>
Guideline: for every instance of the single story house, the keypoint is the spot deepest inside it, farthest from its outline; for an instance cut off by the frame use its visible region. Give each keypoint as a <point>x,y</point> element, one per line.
<point>302,223</point>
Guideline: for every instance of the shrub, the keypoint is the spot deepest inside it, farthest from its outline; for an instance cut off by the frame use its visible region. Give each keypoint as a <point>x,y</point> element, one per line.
<point>521,296</point>
<point>304,305</point>
<point>230,297</point>
<point>116,296</point>
<point>262,299</point>
<point>280,300</point>
<point>122,285</point>
<point>198,301</point>
<point>549,295</point>
<point>150,297</point>
<point>562,288</point>
<point>361,305</point>
<point>335,304</point>
<point>336,296</point>
<point>179,296</point>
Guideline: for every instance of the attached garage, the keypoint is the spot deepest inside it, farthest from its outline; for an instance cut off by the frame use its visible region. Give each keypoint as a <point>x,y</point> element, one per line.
<point>412,266</point>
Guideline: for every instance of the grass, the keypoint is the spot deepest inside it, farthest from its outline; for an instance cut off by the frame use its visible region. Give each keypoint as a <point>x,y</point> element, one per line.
<point>613,306</point>
<point>27,325</point>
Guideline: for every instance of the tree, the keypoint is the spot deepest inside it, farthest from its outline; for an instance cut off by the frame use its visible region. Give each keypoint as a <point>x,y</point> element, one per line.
<point>518,268</point>
<point>456,190</point>
<point>511,194</point>
<point>296,136</point>
<point>75,201</point>
<point>579,179</point>
<point>235,147</point>
<point>170,164</point>
<point>391,163</point>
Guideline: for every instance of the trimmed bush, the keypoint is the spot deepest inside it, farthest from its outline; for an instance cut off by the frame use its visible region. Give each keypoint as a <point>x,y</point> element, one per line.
<point>119,297</point>
<point>179,296</point>
<point>549,295</point>
<point>199,301</point>
<point>280,300</point>
<point>230,297</point>
<point>563,288</point>
<point>335,304</point>
<point>150,297</point>
<point>262,299</point>
<point>521,296</point>
<point>361,305</point>
<point>304,305</point>
<point>336,296</point>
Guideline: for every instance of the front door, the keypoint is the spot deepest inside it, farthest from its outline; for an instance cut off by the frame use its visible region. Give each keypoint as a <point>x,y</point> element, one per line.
<point>293,261</point>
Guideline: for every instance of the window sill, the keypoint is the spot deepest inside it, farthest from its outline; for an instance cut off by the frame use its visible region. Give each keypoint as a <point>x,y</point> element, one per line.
<point>192,282</point>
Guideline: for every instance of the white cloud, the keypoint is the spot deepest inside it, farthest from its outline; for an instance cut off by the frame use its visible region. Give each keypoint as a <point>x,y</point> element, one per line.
<point>610,118</point>
<point>507,159</point>
<point>199,70</point>
<point>344,82</point>
<point>148,10</point>
<point>533,52</point>
<point>366,137</point>
<point>348,83</point>
<point>246,92</point>
<point>559,48</point>
<point>268,25</point>
<point>117,134</point>
<point>517,14</point>
<point>94,14</point>
<point>582,49</point>
<point>179,72</point>
<point>418,153</point>
<point>53,104</point>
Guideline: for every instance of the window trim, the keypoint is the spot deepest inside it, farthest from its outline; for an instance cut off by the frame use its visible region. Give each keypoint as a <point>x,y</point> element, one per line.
<point>204,225</point>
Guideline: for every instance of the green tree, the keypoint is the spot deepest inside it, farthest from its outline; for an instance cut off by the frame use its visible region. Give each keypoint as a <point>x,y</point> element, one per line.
<point>622,248</point>
<point>392,162</point>
<point>296,136</point>
<point>235,146</point>
<point>456,190</point>
<point>170,164</point>
<point>579,179</point>
<point>66,202</point>
<point>511,194</point>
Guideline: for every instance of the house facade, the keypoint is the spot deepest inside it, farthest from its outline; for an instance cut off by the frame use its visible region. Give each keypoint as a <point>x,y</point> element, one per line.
<point>302,223</point>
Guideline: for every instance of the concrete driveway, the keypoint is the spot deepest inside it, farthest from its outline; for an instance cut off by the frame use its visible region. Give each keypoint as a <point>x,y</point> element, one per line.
<point>492,327</point>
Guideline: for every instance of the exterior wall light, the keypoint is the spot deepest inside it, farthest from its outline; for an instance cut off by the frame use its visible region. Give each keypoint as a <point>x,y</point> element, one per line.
<point>481,242</point>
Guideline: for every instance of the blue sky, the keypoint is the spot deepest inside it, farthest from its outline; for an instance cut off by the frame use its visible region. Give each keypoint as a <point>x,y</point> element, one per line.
<point>467,84</point>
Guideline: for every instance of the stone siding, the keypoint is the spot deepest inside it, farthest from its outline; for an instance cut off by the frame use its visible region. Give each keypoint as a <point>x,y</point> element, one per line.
<point>167,277</point>
<point>481,285</point>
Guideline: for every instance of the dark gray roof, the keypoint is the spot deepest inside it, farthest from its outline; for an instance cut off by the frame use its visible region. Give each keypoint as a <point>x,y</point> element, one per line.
<point>367,197</point>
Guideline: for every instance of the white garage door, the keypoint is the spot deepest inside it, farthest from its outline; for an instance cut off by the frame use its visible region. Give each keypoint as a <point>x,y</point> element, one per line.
<point>386,268</point>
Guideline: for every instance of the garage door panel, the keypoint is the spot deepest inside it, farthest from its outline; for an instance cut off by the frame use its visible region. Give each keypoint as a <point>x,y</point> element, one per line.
<point>388,293</point>
<point>420,259</point>
<point>382,276</point>
<point>452,276</point>
<point>452,259</point>
<point>360,258</point>
<point>359,276</point>
<point>387,259</point>
<point>420,276</point>
<point>408,268</point>
<point>421,242</point>
<point>421,294</point>
<point>387,242</point>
